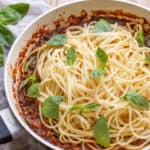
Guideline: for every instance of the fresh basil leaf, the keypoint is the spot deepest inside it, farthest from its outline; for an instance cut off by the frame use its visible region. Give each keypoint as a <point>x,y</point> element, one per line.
<point>101,132</point>
<point>21,8</point>
<point>86,108</point>
<point>6,37</point>
<point>50,107</point>
<point>27,65</point>
<point>33,90</point>
<point>102,57</point>
<point>71,56</point>
<point>97,73</point>
<point>102,26</point>
<point>57,40</point>
<point>90,107</point>
<point>1,55</point>
<point>13,13</point>
<point>140,38</point>
<point>136,99</point>
<point>26,81</point>
<point>8,16</point>
<point>76,107</point>
<point>147,60</point>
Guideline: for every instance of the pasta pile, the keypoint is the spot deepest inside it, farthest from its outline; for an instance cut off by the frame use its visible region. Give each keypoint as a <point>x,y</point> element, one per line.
<point>124,71</point>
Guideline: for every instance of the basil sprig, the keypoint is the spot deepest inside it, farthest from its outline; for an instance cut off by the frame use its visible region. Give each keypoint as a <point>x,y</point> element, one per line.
<point>90,107</point>
<point>147,60</point>
<point>6,37</point>
<point>50,107</point>
<point>97,73</point>
<point>103,58</point>
<point>57,40</point>
<point>28,63</point>
<point>140,38</point>
<point>33,90</point>
<point>27,80</point>
<point>13,13</point>
<point>101,132</point>
<point>71,56</point>
<point>136,99</point>
<point>102,26</point>
<point>1,55</point>
<point>10,15</point>
<point>83,109</point>
<point>76,107</point>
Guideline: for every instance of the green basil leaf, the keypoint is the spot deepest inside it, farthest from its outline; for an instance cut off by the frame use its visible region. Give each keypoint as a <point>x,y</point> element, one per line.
<point>33,90</point>
<point>71,56</point>
<point>57,40</point>
<point>97,73</point>
<point>140,38</point>
<point>21,8</point>
<point>27,65</point>
<point>13,13</point>
<point>1,55</point>
<point>26,81</point>
<point>147,60</point>
<point>90,107</point>
<point>101,132</point>
<point>86,108</point>
<point>76,107</point>
<point>102,57</point>
<point>50,107</point>
<point>102,26</point>
<point>136,99</point>
<point>6,37</point>
<point>8,16</point>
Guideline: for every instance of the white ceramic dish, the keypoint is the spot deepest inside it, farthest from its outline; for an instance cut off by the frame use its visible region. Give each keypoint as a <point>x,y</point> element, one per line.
<point>47,18</point>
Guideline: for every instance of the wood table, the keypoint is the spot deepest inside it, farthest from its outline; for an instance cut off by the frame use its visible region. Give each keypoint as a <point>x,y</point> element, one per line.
<point>26,142</point>
<point>57,2</point>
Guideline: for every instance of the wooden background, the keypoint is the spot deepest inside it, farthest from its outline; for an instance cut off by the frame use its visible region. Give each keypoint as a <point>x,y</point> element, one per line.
<point>57,2</point>
<point>26,142</point>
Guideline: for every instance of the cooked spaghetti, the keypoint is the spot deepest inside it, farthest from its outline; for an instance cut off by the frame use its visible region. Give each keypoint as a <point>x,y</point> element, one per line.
<point>124,72</point>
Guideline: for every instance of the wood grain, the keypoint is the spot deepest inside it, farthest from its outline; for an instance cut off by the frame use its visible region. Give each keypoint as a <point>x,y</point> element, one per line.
<point>57,2</point>
<point>145,3</point>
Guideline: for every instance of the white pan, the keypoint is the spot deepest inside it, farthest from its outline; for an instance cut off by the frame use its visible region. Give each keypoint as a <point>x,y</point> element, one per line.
<point>8,126</point>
